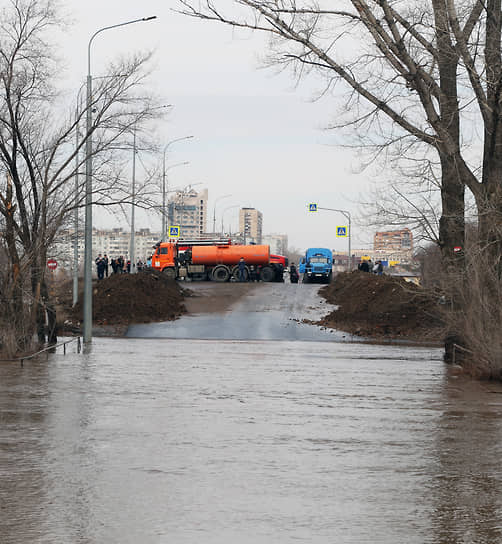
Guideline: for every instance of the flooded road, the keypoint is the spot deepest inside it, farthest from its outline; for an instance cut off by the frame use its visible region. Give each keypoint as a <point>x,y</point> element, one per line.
<point>189,441</point>
<point>251,442</point>
<point>267,311</point>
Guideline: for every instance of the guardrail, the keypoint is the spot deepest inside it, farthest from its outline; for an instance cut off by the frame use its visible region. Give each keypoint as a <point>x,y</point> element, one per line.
<point>47,350</point>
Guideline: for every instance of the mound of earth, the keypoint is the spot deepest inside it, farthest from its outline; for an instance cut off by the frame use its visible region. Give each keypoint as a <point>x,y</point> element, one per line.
<point>381,306</point>
<point>122,299</point>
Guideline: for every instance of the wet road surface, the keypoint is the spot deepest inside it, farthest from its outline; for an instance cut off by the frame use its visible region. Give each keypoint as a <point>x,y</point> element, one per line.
<point>219,442</point>
<point>268,311</point>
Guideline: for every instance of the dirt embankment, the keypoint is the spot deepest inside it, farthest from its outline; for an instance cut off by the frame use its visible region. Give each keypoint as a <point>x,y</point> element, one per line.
<point>122,299</point>
<point>381,306</point>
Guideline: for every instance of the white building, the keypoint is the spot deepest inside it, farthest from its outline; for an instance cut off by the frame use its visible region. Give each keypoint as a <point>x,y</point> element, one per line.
<point>112,242</point>
<point>278,243</point>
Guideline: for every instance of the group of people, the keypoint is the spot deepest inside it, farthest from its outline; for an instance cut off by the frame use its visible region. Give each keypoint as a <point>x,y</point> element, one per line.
<point>253,271</point>
<point>118,265</point>
<point>368,266</point>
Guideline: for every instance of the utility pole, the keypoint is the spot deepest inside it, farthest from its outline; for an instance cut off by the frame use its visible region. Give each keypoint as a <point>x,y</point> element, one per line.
<point>87,327</point>
<point>132,245</point>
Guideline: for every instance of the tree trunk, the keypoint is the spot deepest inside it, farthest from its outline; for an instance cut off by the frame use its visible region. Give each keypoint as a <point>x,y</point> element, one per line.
<point>38,315</point>
<point>15,309</point>
<point>452,237</point>
<point>51,313</point>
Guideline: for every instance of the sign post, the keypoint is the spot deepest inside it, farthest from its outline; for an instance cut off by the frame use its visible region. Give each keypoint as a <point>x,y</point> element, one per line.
<point>340,231</point>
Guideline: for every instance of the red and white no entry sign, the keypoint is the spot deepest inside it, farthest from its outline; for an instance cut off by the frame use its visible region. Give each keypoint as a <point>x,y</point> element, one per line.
<point>52,264</point>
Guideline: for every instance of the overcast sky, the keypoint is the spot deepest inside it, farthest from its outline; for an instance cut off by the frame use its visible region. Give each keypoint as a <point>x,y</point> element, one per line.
<point>256,137</point>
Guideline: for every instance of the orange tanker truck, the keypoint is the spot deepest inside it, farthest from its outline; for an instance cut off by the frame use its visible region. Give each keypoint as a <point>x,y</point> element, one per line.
<point>218,261</point>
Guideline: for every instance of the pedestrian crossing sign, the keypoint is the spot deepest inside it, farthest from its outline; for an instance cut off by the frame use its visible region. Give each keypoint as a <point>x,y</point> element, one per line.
<point>312,207</point>
<point>341,231</point>
<point>174,232</point>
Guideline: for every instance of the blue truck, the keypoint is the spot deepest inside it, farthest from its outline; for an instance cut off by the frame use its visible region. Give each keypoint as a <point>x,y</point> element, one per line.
<point>317,265</point>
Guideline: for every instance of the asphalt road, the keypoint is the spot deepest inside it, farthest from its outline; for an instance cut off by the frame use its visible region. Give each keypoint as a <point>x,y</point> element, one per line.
<point>259,311</point>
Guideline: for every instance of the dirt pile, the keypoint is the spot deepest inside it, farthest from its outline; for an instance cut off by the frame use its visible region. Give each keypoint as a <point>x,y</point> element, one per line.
<point>381,306</point>
<point>122,299</point>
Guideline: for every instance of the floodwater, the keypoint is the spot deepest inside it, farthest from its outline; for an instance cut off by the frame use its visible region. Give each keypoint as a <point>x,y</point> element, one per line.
<point>224,442</point>
<point>248,426</point>
<point>270,311</point>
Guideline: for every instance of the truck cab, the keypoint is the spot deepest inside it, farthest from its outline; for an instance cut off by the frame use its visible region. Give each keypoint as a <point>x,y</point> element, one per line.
<point>278,263</point>
<point>317,265</point>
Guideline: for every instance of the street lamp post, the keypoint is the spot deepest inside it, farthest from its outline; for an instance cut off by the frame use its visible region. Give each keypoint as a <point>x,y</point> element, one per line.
<point>132,244</point>
<point>75,211</point>
<point>165,192</point>
<point>87,328</point>
<point>78,112</point>
<point>214,211</point>
<point>347,216</point>
<point>164,185</point>
<point>223,214</point>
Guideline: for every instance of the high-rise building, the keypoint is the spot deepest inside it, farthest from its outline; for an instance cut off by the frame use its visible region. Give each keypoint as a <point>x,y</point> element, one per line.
<point>250,225</point>
<point>393,240</point>
<point>188,210</point>
<point>278,243</point>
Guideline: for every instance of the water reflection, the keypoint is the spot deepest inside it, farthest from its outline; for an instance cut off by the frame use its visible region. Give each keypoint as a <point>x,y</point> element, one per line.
<point>23,424</point>
<point>223,442</point>
<point>468,480</point>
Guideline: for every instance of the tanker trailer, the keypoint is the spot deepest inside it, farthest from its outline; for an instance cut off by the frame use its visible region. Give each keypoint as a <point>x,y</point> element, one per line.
<point>218,261</point>
<point>221,262</point>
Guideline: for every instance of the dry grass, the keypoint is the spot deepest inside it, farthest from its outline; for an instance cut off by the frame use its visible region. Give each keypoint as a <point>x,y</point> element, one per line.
<point>473,311</point>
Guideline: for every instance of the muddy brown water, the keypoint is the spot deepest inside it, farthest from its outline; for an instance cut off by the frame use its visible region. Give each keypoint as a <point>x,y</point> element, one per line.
<point>158,440</point>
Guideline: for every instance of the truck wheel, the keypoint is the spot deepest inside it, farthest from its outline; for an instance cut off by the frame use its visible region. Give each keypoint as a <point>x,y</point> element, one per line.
<point>169,273</point>
<point>235,273</point>
<point>220,273</point>
<point>267,274</point>
<point>306,279</point>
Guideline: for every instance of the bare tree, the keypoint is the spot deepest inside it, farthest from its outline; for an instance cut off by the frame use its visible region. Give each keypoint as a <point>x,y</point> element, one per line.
<point>39,158</point>
<point>417,74</point>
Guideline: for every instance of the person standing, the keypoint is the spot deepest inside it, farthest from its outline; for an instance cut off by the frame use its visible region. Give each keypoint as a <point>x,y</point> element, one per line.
<point>105,260</point>
<point>364,266</point>
<point>293,274</point>
<point>242,269</point>
<point>100,266</point>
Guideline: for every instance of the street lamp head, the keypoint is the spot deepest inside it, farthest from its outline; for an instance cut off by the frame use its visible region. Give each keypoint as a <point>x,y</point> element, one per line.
<point>149,18</point>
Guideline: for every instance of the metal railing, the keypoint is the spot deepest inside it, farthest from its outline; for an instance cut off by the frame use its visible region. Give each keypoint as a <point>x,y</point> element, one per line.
<point>46,350</point>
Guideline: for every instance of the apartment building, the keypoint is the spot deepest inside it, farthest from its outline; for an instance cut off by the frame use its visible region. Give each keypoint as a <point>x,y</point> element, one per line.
<point>112,242</point>
<point>250,225</point>
<point>393,240</point>
<point>188,210</point>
